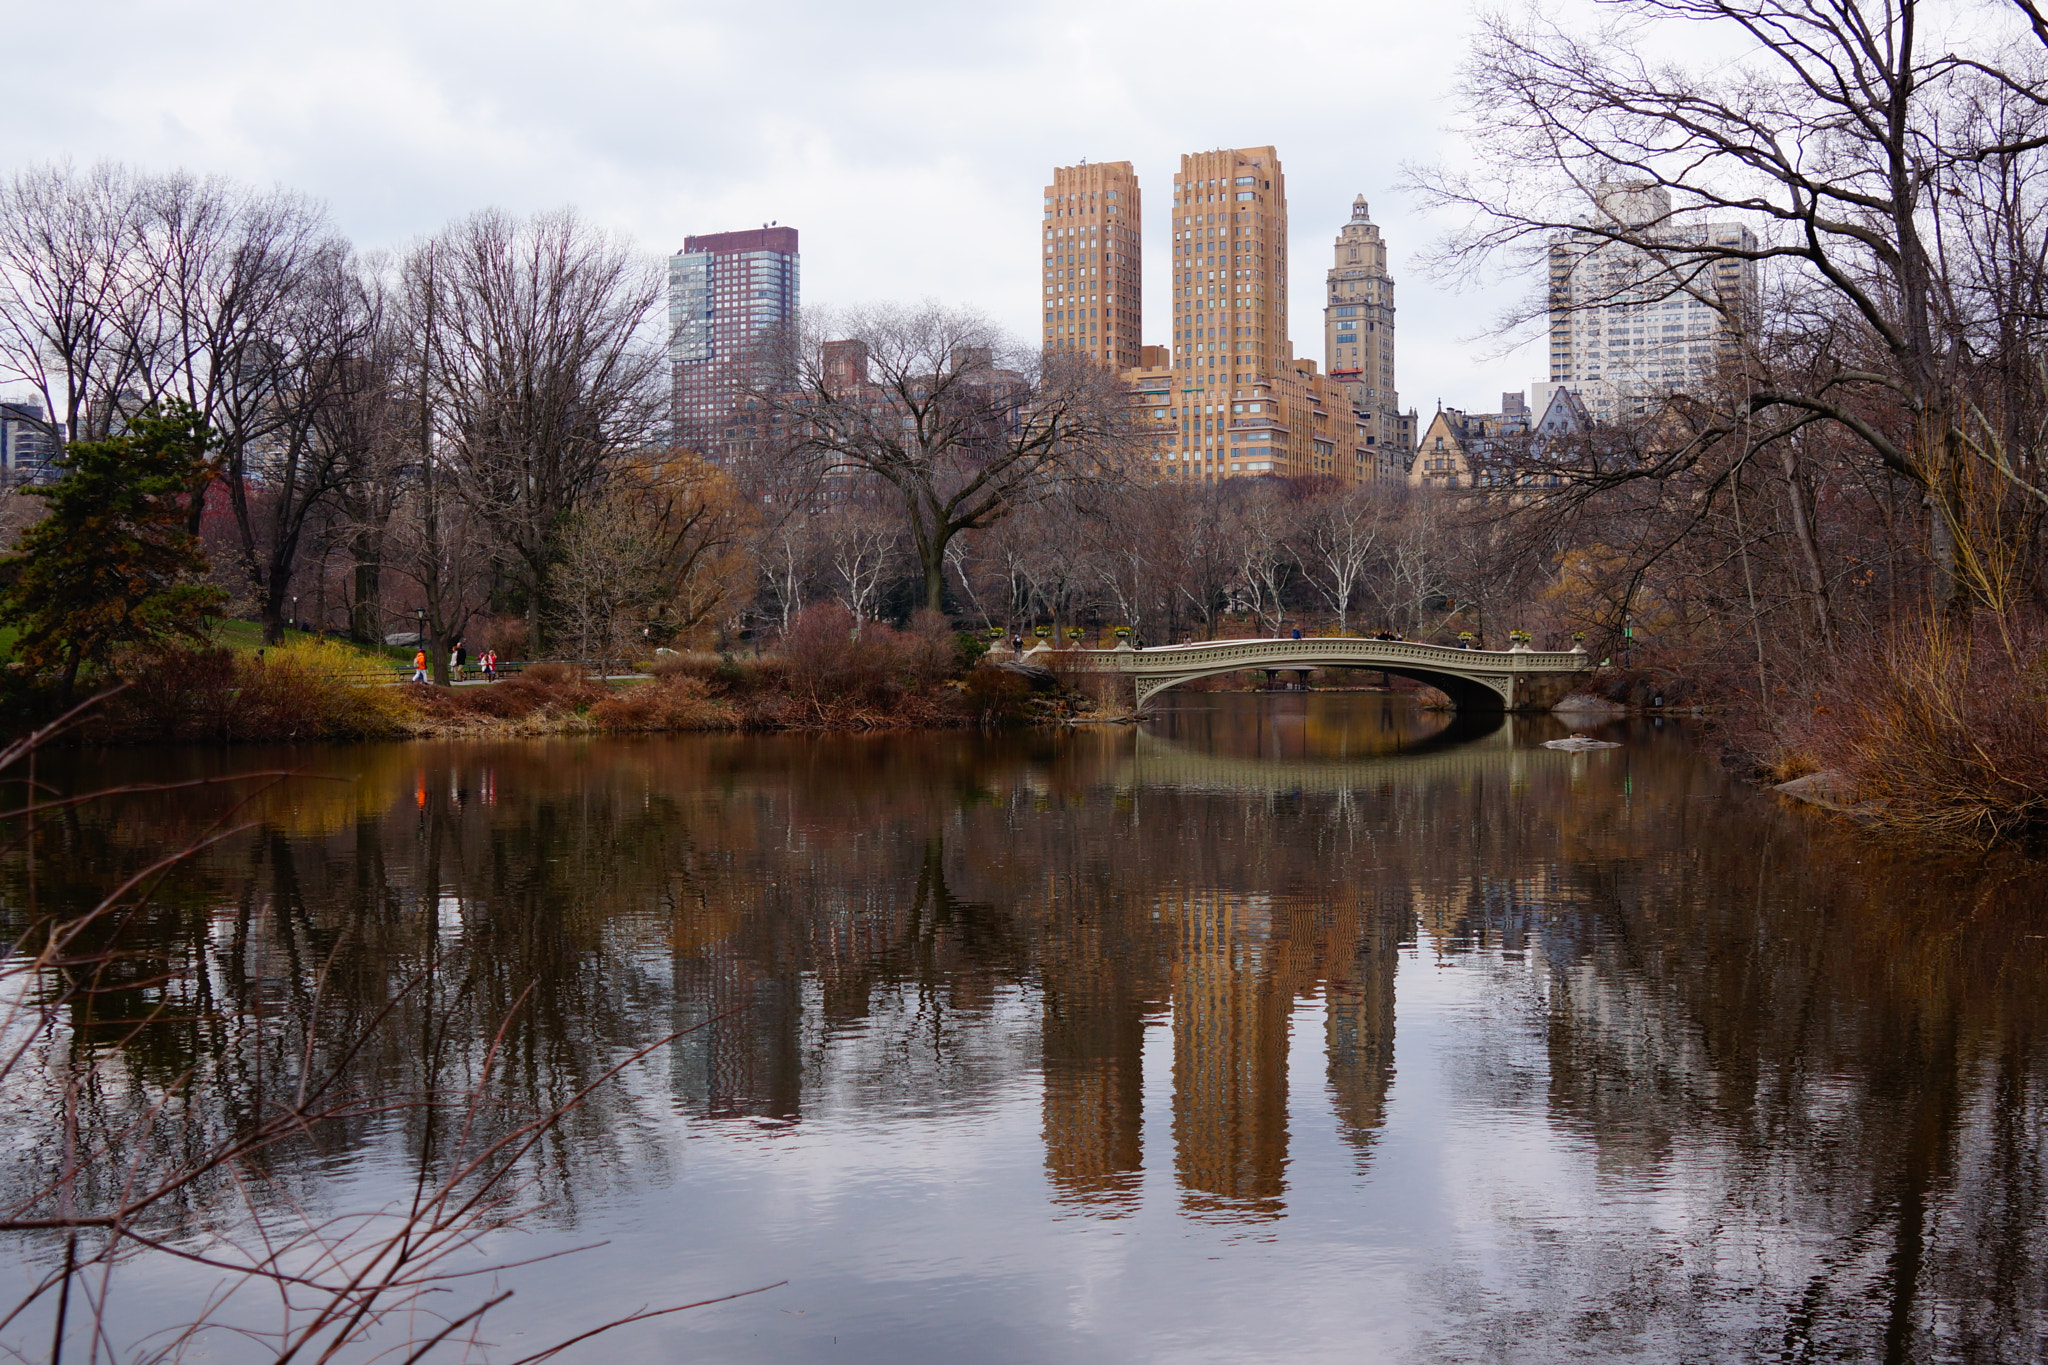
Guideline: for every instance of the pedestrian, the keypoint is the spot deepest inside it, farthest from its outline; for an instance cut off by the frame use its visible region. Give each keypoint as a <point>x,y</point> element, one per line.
<point>456,660</point>
<point>489,659</point>
<point>419,665</point>
<point>1297,632</point>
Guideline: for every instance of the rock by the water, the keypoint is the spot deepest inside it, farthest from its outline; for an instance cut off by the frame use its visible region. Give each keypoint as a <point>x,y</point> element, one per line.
<point>1579,744</point>
<point>1038,675</point>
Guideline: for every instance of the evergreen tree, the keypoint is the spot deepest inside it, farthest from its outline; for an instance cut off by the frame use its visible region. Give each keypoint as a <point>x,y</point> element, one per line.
<point>111,566</point>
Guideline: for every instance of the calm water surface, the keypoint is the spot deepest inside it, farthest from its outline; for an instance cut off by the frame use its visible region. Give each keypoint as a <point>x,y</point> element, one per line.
<point>1296,1027</point>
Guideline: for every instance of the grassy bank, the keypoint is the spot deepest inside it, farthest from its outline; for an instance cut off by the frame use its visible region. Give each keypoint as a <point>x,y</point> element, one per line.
<point>824,675</point>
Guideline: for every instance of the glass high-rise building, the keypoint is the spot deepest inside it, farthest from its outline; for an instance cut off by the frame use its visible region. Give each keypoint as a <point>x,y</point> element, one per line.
<point>730,296</point>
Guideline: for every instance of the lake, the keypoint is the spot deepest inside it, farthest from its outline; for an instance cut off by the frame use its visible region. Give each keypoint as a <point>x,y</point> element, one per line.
<point>1293,1027</point>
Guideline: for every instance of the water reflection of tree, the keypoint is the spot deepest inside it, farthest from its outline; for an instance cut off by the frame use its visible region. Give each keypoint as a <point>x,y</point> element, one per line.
<point>1818,1057</point>
<point>1832,1076</point>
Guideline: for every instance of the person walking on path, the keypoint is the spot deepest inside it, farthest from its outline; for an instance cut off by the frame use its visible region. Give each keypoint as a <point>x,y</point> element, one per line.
<point>489,661</point>
<point>456,659</point>
<point>419,665</point>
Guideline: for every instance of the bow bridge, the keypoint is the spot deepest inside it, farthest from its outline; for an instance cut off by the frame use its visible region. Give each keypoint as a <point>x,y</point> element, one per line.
<point>1517,679</point>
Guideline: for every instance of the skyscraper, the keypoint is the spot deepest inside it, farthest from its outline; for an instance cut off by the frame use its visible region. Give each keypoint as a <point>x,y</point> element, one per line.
<point>1358,341</point>
<point>1633,321</point>
<point>1241,403</point>
<point>1230,267</point>
<point>729,294</point>
<point>1093,248</point>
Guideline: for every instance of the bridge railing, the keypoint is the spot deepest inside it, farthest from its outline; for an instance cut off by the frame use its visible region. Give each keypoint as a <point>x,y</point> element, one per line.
<point>1314,651</point>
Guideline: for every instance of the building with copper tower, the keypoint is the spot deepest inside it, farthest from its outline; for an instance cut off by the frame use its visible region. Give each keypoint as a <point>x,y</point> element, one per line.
<point>1358,342</point>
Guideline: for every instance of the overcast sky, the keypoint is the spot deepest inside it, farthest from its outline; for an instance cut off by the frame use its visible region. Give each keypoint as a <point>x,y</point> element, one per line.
<point>907,140</point>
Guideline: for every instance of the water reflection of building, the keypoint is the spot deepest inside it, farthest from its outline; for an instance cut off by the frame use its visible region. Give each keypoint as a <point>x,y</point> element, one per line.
<point>1230,1016</point>
<point>738,1053</point>
<point>1103,972</point>
<point>1359,1021</point>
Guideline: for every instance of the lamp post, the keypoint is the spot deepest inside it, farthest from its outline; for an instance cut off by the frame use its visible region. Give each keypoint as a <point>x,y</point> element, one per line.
<point>295,611</point>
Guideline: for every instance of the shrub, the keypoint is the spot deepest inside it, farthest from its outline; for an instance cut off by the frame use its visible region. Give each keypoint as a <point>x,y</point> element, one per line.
<point>995,696</point>
<point>673,703</point>
<point>556,689</point>
<point>307,689</point>
<point>1946,729</point>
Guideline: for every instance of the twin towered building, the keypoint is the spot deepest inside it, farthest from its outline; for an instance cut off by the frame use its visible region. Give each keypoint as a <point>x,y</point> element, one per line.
<point>1228,397</point>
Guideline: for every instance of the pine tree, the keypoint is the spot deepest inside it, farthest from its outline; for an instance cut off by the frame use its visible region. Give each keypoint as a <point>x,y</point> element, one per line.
<point>111,566</point>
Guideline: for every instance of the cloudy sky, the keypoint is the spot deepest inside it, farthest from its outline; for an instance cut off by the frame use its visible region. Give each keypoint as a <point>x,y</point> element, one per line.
<point>908,140</point>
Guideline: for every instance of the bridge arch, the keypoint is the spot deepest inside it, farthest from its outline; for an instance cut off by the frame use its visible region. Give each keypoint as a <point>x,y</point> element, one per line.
<point>1466,694</point>
<point>1474,679</point>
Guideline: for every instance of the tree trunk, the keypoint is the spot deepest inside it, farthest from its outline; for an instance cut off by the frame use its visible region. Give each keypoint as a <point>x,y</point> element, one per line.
<point>366,614</point>
<point>934,578</point>
<point>1800,496</point>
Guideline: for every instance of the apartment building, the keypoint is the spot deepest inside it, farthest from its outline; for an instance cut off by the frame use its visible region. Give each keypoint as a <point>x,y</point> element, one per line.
<point>1230,266</point>
<point>1633,322</point>
<point>28,449</point>
<point>730,295</point>
<point>1358,341</point>
<point>1094,258</point>
<point>1507,450</point>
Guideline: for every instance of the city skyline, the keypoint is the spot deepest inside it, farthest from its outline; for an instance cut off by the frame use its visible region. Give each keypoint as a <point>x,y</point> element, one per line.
<point>417,116</point>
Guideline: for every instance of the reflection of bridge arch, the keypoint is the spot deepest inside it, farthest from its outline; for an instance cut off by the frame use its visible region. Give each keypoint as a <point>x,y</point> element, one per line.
<point>1474,679</point>
<point>1460,751</point>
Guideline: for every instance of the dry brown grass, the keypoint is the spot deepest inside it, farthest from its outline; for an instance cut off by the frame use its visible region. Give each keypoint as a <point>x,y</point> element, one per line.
<point>1945,730</point>
<point>679,702</point>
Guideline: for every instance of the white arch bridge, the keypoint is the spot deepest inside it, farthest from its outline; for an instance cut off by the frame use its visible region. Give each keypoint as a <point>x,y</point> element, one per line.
<point>1517,679</point>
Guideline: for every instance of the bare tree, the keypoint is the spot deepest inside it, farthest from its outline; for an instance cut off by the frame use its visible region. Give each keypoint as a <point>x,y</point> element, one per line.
<point>73,291</point>
<point>1868,151</point>
<point>863,543</point>
<point>932,402</point>
<point>1265,560</point>
<point>1336,542</point>
<point>543,372</point>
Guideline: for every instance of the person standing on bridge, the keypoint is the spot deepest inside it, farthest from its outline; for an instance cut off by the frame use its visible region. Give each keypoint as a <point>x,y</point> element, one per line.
<point>1297,632</point>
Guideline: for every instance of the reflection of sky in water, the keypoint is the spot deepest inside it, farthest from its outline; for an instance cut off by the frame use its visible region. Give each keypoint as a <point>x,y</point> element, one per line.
<point>1294,1028</point>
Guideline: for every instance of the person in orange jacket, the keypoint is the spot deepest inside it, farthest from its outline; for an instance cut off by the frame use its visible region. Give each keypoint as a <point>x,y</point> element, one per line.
<point>419,665</point>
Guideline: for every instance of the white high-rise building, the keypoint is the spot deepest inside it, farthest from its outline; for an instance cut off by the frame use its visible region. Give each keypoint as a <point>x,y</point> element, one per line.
<point>1632,322</point>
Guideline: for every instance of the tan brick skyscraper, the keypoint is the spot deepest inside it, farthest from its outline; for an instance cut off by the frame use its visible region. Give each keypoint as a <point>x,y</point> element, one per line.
<point>1230,266</point>
<point>1239,403</point>
<point>1093,259</point>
